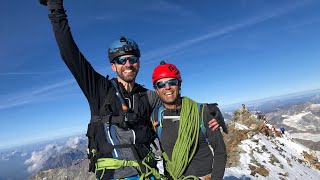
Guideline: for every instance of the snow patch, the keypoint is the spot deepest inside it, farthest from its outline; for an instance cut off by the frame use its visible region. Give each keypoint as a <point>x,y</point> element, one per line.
<point>241,126</point>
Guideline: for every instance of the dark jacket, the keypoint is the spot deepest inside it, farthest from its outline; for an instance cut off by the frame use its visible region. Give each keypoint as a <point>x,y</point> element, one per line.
<point>95,86</point>
<point>203,160</point>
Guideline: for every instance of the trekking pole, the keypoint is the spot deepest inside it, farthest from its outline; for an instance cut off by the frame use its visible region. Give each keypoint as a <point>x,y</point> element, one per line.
<point>80,161</point>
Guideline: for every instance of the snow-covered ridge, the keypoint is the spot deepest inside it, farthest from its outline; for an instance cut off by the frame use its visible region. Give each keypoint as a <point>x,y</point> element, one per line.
<point>264,157</point>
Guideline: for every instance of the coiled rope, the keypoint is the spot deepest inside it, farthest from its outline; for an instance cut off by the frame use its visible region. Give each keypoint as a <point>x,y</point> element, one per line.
<point>187,141</point>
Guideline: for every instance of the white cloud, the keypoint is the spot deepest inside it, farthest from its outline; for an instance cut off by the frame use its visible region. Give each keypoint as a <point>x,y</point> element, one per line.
<point>75,142</point>
<point>38,159</point>
<point>21,73</point>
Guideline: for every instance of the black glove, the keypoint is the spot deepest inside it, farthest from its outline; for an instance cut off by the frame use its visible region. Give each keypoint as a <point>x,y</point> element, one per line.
<point>215,111</point>
<point>52,4</point>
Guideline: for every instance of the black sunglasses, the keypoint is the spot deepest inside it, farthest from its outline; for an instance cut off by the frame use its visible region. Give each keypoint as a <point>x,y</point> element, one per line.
<point>123,60</point>
<point>162,84</point>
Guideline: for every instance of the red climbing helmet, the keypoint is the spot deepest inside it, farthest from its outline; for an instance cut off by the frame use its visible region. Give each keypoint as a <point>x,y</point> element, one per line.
<point>165,70</point>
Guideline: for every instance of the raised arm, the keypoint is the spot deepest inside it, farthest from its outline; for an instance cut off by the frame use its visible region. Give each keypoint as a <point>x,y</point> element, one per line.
<point>81,69</point>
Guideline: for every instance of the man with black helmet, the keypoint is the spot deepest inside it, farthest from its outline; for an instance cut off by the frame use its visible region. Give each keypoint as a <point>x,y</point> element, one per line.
<point>119,131</point>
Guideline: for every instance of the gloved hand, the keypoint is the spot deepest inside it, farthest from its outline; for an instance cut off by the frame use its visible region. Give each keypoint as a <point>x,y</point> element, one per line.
<point>52,4</point>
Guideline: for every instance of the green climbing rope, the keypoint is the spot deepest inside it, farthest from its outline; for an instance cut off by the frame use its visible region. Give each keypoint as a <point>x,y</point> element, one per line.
<point>187,140</point>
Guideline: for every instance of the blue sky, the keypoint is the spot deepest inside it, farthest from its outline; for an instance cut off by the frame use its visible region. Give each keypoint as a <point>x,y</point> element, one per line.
<point>227,52</point>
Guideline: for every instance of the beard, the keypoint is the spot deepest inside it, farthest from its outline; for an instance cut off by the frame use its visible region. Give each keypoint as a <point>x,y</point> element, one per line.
<point>128,77</point>
<point>175,100</point>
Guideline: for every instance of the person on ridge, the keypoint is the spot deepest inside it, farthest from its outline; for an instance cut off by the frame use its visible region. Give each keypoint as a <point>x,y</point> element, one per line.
<point>120,108</point>
<point>282,129</point>
<point>179,125</point>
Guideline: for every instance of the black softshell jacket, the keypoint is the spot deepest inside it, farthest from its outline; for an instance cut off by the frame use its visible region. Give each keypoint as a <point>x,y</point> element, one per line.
<point>203,162</point>
<point>95,86</point>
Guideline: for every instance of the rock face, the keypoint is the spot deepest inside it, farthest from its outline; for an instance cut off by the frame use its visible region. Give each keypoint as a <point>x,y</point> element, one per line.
<point>64,160</point>
<point>312,159</point>
<point>235,136</point>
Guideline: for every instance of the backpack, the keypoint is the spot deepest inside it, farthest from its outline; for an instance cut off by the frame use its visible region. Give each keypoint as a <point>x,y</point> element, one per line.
<point>158,113</point>
<point>104,147</point>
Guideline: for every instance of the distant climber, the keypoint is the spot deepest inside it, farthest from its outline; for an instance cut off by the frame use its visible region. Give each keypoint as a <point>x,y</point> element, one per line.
<point>282,129</point>
<point>266,129</point>
<point>265,119</point>
<point>243,106</point>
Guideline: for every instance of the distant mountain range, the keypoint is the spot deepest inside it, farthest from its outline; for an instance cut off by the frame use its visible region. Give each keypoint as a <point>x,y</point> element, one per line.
<point>32,159</point>
<point>274,104</point>
<point>302,121</point>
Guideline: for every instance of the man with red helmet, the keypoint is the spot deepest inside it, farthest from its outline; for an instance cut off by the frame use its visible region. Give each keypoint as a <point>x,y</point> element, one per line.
<point>179,124</point>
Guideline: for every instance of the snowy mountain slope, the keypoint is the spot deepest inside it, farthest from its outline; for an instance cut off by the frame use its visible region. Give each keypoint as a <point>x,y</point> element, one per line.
<point>279,158</point>
<point>273,157</point>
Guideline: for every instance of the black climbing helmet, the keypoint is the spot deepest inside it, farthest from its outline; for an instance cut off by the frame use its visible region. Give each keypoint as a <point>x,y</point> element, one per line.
<point>123,46</point>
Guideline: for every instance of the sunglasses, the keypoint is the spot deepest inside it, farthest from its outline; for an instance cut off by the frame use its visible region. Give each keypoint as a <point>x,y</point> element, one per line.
<point>171,82</point>
<point>123,60</point>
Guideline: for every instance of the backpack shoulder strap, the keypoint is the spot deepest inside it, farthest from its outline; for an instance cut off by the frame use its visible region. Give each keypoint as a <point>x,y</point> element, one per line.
<point>202,127</point>
<point>119,94</point>
<point>110,97</point>
<point>157,119</point>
